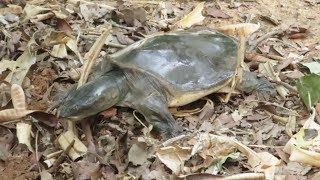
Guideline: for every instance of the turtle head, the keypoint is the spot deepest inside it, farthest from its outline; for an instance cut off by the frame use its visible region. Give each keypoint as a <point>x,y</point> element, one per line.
<point>94,97</point>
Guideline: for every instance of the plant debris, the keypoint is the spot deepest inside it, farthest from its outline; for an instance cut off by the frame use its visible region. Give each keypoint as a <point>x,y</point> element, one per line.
<point>48,49</point>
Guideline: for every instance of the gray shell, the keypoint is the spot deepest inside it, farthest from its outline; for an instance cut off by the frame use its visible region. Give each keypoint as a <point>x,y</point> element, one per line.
<point>183,61</point>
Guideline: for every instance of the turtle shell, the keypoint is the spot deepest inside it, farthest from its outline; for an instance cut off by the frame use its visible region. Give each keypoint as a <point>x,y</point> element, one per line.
<point>189,65</point>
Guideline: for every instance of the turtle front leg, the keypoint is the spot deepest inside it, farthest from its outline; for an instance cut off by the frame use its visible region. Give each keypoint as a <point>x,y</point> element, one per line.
<point>155,110</point>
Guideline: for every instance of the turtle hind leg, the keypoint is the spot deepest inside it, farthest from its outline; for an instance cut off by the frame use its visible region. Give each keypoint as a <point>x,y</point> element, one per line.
<point>155,110</point>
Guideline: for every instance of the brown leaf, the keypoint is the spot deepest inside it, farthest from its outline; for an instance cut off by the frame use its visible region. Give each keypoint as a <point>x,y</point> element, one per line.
<point>14,9</point>
<point>6,142</point>
<point>12,114</point>
<point>85,170</point>
<point>45,118</point>
<point>18,97</point>
<point>130,15</point>
<point>64,26</point>
<point>297,36</point>
<point>124,39</point>
<point>236,29</point>
<point>193,18</point>
<point>216,13</point>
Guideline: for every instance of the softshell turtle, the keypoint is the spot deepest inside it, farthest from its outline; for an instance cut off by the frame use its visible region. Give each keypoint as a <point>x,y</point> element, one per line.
<point>172,69</point>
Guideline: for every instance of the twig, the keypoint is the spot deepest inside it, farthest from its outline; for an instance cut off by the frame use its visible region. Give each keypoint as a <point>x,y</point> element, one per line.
<point>54,154</point>
<point>265,146</point>
<point>37,153</point>
<point>104,6</point>
<point>143,2</point>
<point>123,27</point>
<point>259,40</point>
<point>277,105</point>
<point>275,57</point>
<point>135,116</point>
<point>116,45</point>
<point>170,141</point>
<point>286,85</point>
<point>61,157</point>
<point>257,57</point>
<point>247,176</point>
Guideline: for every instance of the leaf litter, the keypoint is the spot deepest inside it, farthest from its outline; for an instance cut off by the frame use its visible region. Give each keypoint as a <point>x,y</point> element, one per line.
<point>269,136</point>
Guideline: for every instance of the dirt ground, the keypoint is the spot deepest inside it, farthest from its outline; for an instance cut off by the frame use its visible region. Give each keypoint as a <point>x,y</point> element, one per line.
<point>122,148</point>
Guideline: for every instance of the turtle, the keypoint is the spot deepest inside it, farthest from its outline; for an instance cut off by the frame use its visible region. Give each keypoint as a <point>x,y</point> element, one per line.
<point>168,70</point>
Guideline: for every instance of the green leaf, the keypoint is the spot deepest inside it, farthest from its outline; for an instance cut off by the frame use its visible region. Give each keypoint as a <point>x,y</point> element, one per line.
<point>309,89</point>
<point>216,167</point>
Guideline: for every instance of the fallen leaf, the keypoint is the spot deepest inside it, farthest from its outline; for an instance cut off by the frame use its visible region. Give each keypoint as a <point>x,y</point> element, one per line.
<point>267,70</point>
<point>260,162</point>
<point>216,167</point>
<point>206,127</point>
<point>304,147</point>
<point>6,64</point>
<point>174,157</point>
<point>308,87</point>
<point>11,8</point>
<point>124,39</point>
<point>19,110</point>
<point>59,51</point>
<point>64,26</point>
<point>193,18</point>
<point>45,175</point>
<point>24,135</point>
<point>30,11</point>
<point>132,15</point>
<point>297,168</point>
<point>234,29</point>
<point>78,149</point>
<point>138,154</point>
<point>92,12</point>
<point>85,170</point>
<point>6,142</point>
<point>216,13</point>
<point>23,64</point>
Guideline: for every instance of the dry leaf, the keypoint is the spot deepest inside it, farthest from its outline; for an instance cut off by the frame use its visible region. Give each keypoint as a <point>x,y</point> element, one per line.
<point>267,70</point>
<point>85,170</point>
<point>6,64</point>
<point>233,29</point>
<point>24,134</point>
<point>302,149</point>
<point>59,51</point>
<point>174,157</point>
<point>216,13</point>
<point>45,175</point>
<point>23,64</point>
<point>19,111</point>
<point>18,97</point>
<point>78,149</point>
<point>138,154</point>
<point>193,18</point>
<point>260,162</point>
<point>31,11</point>
<point>91,56</point>
<point>14,9</point>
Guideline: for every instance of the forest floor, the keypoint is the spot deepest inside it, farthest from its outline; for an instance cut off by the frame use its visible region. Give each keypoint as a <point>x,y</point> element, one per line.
<point>43,44</point>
